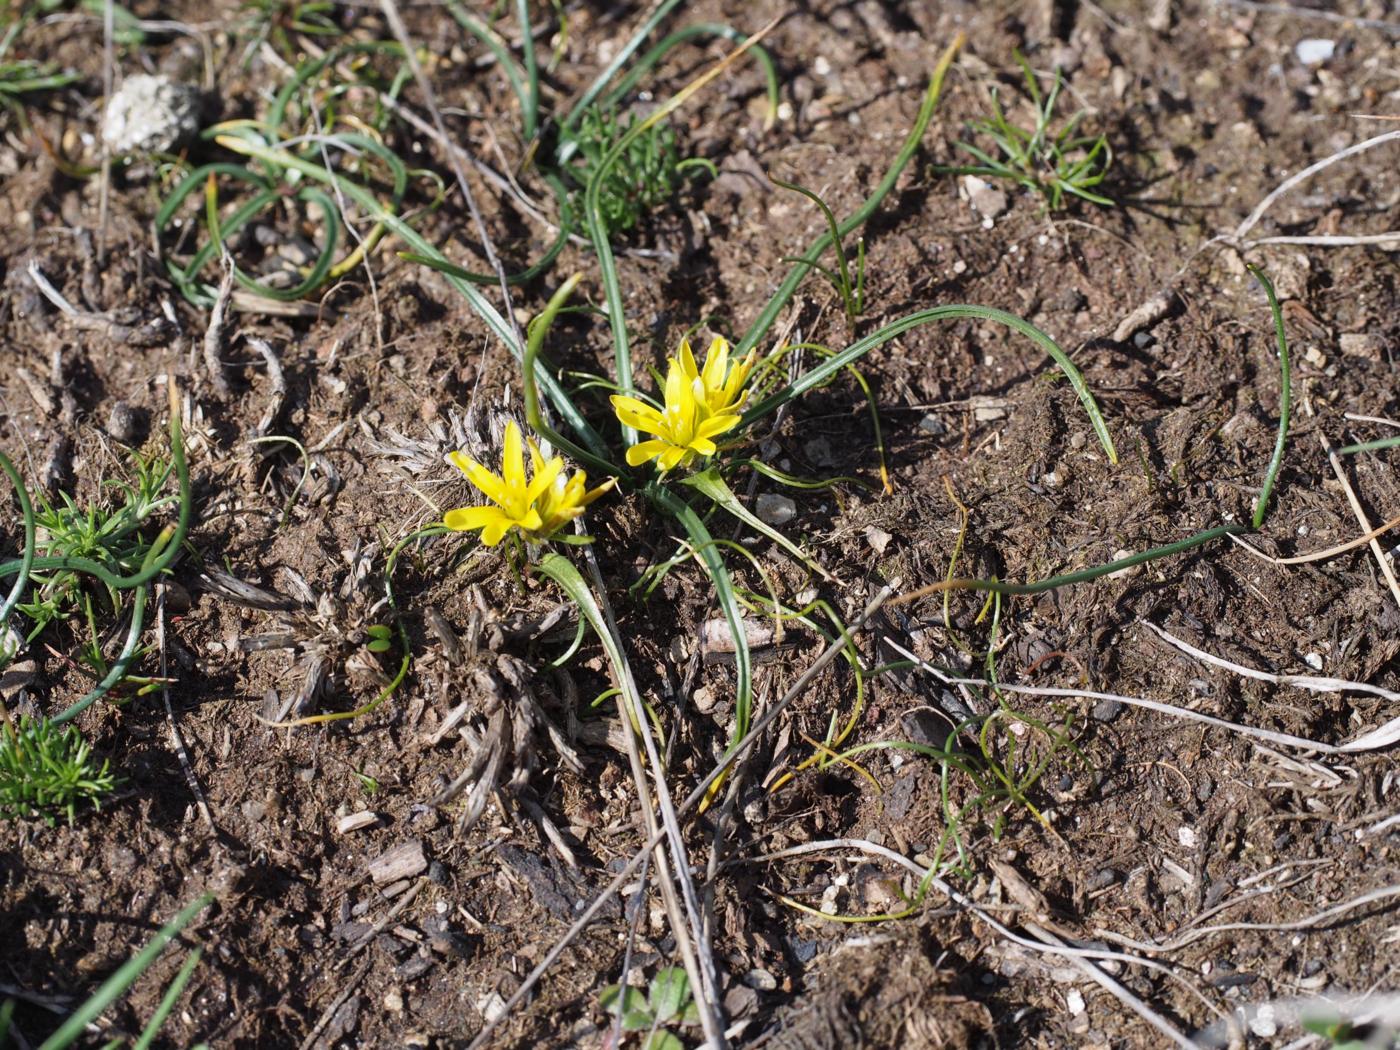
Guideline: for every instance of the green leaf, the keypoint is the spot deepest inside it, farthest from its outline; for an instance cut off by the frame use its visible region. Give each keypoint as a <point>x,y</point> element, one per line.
<point>670,989</point>
<point>380,630</point>
<point>662,1040</point>
<point>829,367</point>
<point>380,645</point>
<point>709,555</point>
<point>116,985</point>
<point>710,484</point>
<point>632,1005</point>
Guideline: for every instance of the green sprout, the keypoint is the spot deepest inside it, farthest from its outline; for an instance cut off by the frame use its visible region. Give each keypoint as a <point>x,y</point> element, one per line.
<point>20,77</point>
<point>47,770</point>
<point>277,21</point>
<point>668,1001</point>
<point>369,784</point>
<point>1045,160</point>
<point>105,546</point>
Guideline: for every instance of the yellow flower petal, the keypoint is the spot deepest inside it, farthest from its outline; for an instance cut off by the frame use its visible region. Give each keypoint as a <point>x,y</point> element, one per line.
<point>687,361</point>
<point>716,425</point>
<point>645,450</point>
<point>468,519</point>
<point>593,493</point>
<point>638,414</point>
<point>513,460</point>
<point>493,531</point>
<point>672,455</point>
<point>543,479</point>
<point>716,363</point>
<point>491,486</point>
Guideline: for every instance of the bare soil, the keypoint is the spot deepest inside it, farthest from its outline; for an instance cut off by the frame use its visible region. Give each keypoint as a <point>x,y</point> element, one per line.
<point>1149,825</point>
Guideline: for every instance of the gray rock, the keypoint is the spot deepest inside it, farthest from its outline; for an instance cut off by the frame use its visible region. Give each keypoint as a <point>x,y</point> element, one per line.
<point>774,509</point>
<point>1107,710</point>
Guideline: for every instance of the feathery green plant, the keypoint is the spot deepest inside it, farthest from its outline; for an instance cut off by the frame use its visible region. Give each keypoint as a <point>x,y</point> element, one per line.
<point>47,770</point>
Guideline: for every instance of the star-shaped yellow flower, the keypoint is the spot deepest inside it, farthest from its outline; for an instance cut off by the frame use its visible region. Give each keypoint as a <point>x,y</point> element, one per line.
<point>701,404</point>
<point>538,507</point>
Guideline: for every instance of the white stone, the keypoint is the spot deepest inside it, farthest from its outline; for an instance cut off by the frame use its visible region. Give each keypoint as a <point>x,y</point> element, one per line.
<point>150,114</point>
<point>988,200</point>
<point>1186,835</point>
<point>1264,1024</point>
<point>1314,51</point>
<point>1075,1001</point>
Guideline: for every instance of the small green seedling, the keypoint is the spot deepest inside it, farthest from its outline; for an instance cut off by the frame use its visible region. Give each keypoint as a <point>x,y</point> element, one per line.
<point>46,769</point>
<point>1341,1034</point>
<point>369,784</point>
<point>668,1002</point>
<point>1047,161</point>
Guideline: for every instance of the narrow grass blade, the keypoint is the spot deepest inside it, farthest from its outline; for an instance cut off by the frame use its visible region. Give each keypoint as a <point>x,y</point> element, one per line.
<point>829,367</point>
<point>168,1001</point>
<point>1285,395</point>
<point>26,561</point>
<point>713,563</point>
<point>788,288</point>
<point>116,986</point>
<point>1081,576</point>
<point>601,81</point>
<point>668,43</point>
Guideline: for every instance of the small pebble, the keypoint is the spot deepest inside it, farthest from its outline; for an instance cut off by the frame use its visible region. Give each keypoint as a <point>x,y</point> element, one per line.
<point>1264,1024</point>
<point>121,423</point>
<point>355,821</point>
<point>1102,879</point>
<point>987,200</point>
<point>931,424</point>
<point>775,509</point>
<point>150,114</point>
<point>761,980</point>
<point>878,539</point>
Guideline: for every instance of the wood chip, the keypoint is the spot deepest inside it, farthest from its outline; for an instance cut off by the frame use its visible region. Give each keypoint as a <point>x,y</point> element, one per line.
<point>355,821</point>
<point>1145,316</point>
<point>402,862</point>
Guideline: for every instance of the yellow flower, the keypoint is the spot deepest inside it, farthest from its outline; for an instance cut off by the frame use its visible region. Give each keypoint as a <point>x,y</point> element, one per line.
<point>564,499</point>
<point>538,507</point>
<point>701,404</point>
